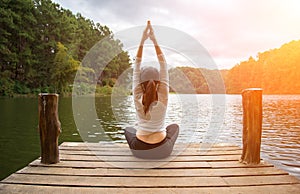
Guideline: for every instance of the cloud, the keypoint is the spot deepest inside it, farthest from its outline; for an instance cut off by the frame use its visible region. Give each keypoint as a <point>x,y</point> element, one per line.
<point>231,30</point>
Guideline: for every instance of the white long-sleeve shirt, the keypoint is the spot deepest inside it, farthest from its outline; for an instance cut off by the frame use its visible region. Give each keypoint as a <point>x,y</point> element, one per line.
<point>154,120</point>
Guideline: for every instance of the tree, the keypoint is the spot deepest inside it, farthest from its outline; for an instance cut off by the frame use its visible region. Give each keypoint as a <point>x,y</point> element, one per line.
<point>41,42</point>
<point>63,70</point>
<point>17,36</point>
<point>275,70</point>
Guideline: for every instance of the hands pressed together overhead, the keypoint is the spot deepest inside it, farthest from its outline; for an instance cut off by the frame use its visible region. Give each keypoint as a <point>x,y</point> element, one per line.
<point>148,33</point>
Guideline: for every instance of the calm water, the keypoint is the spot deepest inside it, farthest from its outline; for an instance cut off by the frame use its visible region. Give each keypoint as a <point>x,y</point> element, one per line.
<point>202,118</point>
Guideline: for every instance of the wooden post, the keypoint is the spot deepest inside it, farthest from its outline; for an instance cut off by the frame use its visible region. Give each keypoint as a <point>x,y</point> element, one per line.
<point>252,125</point>
<point>49,127</point>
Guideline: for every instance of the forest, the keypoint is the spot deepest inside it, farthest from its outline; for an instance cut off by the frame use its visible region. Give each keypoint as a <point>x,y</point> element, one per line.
<point>276,71</point>
<point>197,80</point>
<point>43,45</point>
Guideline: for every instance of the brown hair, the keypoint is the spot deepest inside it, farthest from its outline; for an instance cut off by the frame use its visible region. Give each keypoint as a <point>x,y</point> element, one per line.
<point>149,93</point>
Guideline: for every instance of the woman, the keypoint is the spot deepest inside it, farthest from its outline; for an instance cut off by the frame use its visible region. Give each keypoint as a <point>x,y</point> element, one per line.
<point>151,139</point>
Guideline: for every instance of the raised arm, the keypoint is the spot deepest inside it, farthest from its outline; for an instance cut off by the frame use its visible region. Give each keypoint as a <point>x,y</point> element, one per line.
<point>138,60</point>
<point>144,38</point>
<point>157,48</point>
<point>164,76</point>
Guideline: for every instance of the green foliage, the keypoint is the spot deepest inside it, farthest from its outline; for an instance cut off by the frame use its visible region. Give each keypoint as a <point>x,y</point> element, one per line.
<point>277,71</point>
<point>42,44</point>
<point>104,90</point>
<point>20,88</point>
<point>83,88</point>
<point>6,84</point>
<point>63,70</point>
<point>108,61</point>
<point>17,35</point>
<point>196,80</point>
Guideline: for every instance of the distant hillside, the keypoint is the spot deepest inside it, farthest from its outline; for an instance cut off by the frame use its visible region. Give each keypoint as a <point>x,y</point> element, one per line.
<point>196,80</point>
<point>277,71</point>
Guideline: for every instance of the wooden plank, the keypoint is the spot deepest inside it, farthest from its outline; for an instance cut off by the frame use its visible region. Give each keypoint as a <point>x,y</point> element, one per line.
<point>114,149</point>
<point>134,165</point>
<point>17,188</point>
<point>154,172</point>
<point>127,152</point>
<point>125,146</point>
<point>136,182</point>
<point>196,150</point>
<point>64,157</point>
<point>176,149</point>
<point>154,164</point>
<point>237,164</point>
<point>110,143</point>
<point>261,180</point>
<point>277,189</point>
<point>90,146</point>
<point>155,182</point>
<point>213,170</point>
<point>274,189</point>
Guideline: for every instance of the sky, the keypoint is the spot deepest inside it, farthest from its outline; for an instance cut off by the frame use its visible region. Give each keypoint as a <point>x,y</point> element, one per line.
<point>230,30</point>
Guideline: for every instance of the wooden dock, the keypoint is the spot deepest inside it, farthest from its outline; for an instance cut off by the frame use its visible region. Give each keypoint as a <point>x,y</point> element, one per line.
<point>107,168</point>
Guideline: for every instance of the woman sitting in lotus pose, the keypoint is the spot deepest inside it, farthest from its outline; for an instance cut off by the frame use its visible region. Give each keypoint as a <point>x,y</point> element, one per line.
<point>150,138</point>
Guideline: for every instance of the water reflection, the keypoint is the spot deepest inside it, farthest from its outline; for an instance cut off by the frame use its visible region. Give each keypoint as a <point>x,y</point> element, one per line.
<point>281,131</point>
<point>196,115</point>
<point>115,117</point>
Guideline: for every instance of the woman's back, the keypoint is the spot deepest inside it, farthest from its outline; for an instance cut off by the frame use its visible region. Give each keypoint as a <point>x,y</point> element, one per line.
<point>150,91</point>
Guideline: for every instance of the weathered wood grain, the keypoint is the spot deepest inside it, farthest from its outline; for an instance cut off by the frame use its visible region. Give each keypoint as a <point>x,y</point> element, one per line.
<point>216,170</point>
<point>49,127</point>
<point>252,125</point>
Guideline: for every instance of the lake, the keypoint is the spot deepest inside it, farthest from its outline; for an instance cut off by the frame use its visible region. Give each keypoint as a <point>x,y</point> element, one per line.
<point>202,118</point>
